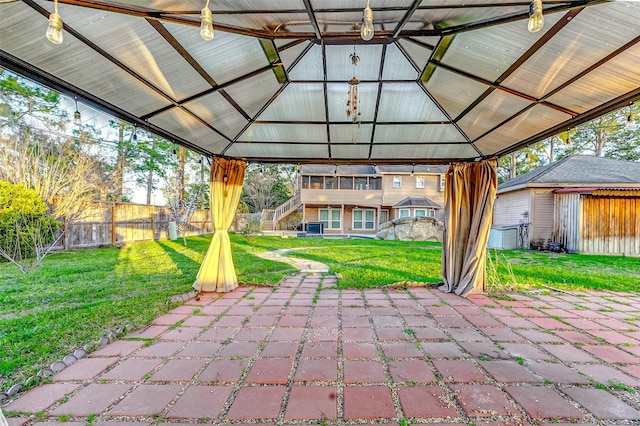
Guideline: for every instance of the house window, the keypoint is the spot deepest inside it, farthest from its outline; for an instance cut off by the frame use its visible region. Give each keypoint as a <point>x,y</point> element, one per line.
<point>405,213</point>
<point>330,182</point>
<point>421,212</point>
<point>305,182</point>
<point>364,219</point>
<point>397,181</point>
<point>432,212</point>
<point>375,183</point>
<point>361,183</point>
<point>420,182</point>
<point>330,218</point>
<point>384,216</point>
<point>346,183</point>
<point>317,182</point>
<point>441,181</point>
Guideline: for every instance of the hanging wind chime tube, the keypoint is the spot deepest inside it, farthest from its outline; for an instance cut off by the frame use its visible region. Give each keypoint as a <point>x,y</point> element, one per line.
<point>352,102</point>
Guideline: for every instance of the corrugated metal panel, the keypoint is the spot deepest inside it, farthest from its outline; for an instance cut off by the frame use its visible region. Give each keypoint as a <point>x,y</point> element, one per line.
<point>567,220</point>
<point>611,225</point>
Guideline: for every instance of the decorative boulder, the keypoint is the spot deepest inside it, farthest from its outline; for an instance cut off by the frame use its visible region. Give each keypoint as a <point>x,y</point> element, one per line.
<point>412,229</point>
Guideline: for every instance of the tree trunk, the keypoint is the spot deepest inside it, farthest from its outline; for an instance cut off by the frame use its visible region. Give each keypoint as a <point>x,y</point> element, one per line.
<point>512,165</point>
<point>181,155</point>
<point>201,183</point>
<point>119,171</point>
<point>149,186</point>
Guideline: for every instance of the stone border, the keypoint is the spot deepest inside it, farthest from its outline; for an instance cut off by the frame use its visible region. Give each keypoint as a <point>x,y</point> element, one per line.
<point>65,361</point>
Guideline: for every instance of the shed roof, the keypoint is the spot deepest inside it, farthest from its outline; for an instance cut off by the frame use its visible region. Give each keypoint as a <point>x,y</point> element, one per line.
<point>418,202</point>
<point>440,81</point>
<point>579,170</point>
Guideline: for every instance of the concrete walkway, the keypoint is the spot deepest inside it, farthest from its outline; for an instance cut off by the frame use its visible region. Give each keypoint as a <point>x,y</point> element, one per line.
<point>303,265</point>
<point>308,353</point>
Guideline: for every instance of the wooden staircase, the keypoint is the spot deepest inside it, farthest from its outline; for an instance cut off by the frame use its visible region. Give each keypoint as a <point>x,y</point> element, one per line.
<point>285,209</point>
<point>266,220</point>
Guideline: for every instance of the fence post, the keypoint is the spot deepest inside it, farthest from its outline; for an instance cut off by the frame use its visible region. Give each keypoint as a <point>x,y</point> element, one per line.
<point>153,225</point>
<point>113,224</point>
<point>65,233</point>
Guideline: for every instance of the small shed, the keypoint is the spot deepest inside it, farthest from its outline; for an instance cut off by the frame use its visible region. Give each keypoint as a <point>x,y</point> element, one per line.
<point>587,204</point>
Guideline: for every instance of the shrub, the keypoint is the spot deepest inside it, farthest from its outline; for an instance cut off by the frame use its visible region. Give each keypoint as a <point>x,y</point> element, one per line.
<point>25,227</point>
<point>251,230</point>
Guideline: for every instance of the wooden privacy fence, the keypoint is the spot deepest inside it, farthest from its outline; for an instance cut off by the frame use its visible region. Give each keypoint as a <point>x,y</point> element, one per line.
<point>103,223</point>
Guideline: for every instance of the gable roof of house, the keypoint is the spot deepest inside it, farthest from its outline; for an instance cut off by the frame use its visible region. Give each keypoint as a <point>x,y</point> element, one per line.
<point>418,202</point>
<point>579,170</point>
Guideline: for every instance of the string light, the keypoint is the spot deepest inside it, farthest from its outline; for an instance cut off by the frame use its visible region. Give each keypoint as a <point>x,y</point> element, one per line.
<point>135,133</point>
<point>206,23</point>
<point>536,19</point>
<point>335,172</point>
<point>413,169</point>
<point>77,118</point>
<point>366,32</point>
<point>54,30</point>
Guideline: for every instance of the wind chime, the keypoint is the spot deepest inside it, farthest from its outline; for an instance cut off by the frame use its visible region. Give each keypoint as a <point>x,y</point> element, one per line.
<point>352,102</point>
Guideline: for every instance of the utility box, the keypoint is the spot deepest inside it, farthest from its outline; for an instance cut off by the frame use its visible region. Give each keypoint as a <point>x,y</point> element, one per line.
<point>504,238</point>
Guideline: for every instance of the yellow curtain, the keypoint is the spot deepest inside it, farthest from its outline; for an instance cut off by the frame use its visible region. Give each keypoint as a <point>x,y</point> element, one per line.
<point>469,196</point>
<point>217,272</point>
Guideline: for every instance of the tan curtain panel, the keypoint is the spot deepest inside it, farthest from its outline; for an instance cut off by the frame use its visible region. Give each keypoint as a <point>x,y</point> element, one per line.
<point>469,196</point>
<point>217,272</point>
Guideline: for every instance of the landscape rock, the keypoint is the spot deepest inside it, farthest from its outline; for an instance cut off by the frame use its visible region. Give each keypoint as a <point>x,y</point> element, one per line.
<point>69,359</point>
<point>14,389</point>
<point>412,229</point>
<point>58,366</point>
<point>45,372</point>
<point>79,353</point>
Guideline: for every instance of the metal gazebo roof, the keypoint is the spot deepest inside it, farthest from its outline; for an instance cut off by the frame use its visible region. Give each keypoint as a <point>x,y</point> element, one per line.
<point>441,80</point>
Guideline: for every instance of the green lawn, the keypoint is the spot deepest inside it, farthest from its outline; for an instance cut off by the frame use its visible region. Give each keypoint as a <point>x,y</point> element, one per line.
<point>76,296</point>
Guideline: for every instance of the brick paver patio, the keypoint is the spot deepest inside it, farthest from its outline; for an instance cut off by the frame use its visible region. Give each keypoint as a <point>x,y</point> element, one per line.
<point>308,353</point>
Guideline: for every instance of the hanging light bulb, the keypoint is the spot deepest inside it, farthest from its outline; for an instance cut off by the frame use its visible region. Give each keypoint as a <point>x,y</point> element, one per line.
<point>366,32</point>
<point>206,23</point>
<point>54,30</point>
<point>631,122</point>
<point>135,133</point>
<point>335,171</point>
<point>77,118</point>
<point>536,19</point>
<point>413,169</point>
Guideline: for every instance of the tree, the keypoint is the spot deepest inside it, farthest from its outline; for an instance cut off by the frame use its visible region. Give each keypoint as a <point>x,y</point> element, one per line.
<point>27,232</point>
<point>267,186</point>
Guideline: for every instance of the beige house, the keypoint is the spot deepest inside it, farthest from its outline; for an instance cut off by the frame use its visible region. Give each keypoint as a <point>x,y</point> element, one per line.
<point>586,204</point>
<point>356,199</point>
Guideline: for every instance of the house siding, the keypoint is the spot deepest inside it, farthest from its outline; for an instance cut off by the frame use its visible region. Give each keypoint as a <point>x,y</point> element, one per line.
<point>393,195</point>
<point>509,208</point>
<point>341,196</point>
<point>541,230</point>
